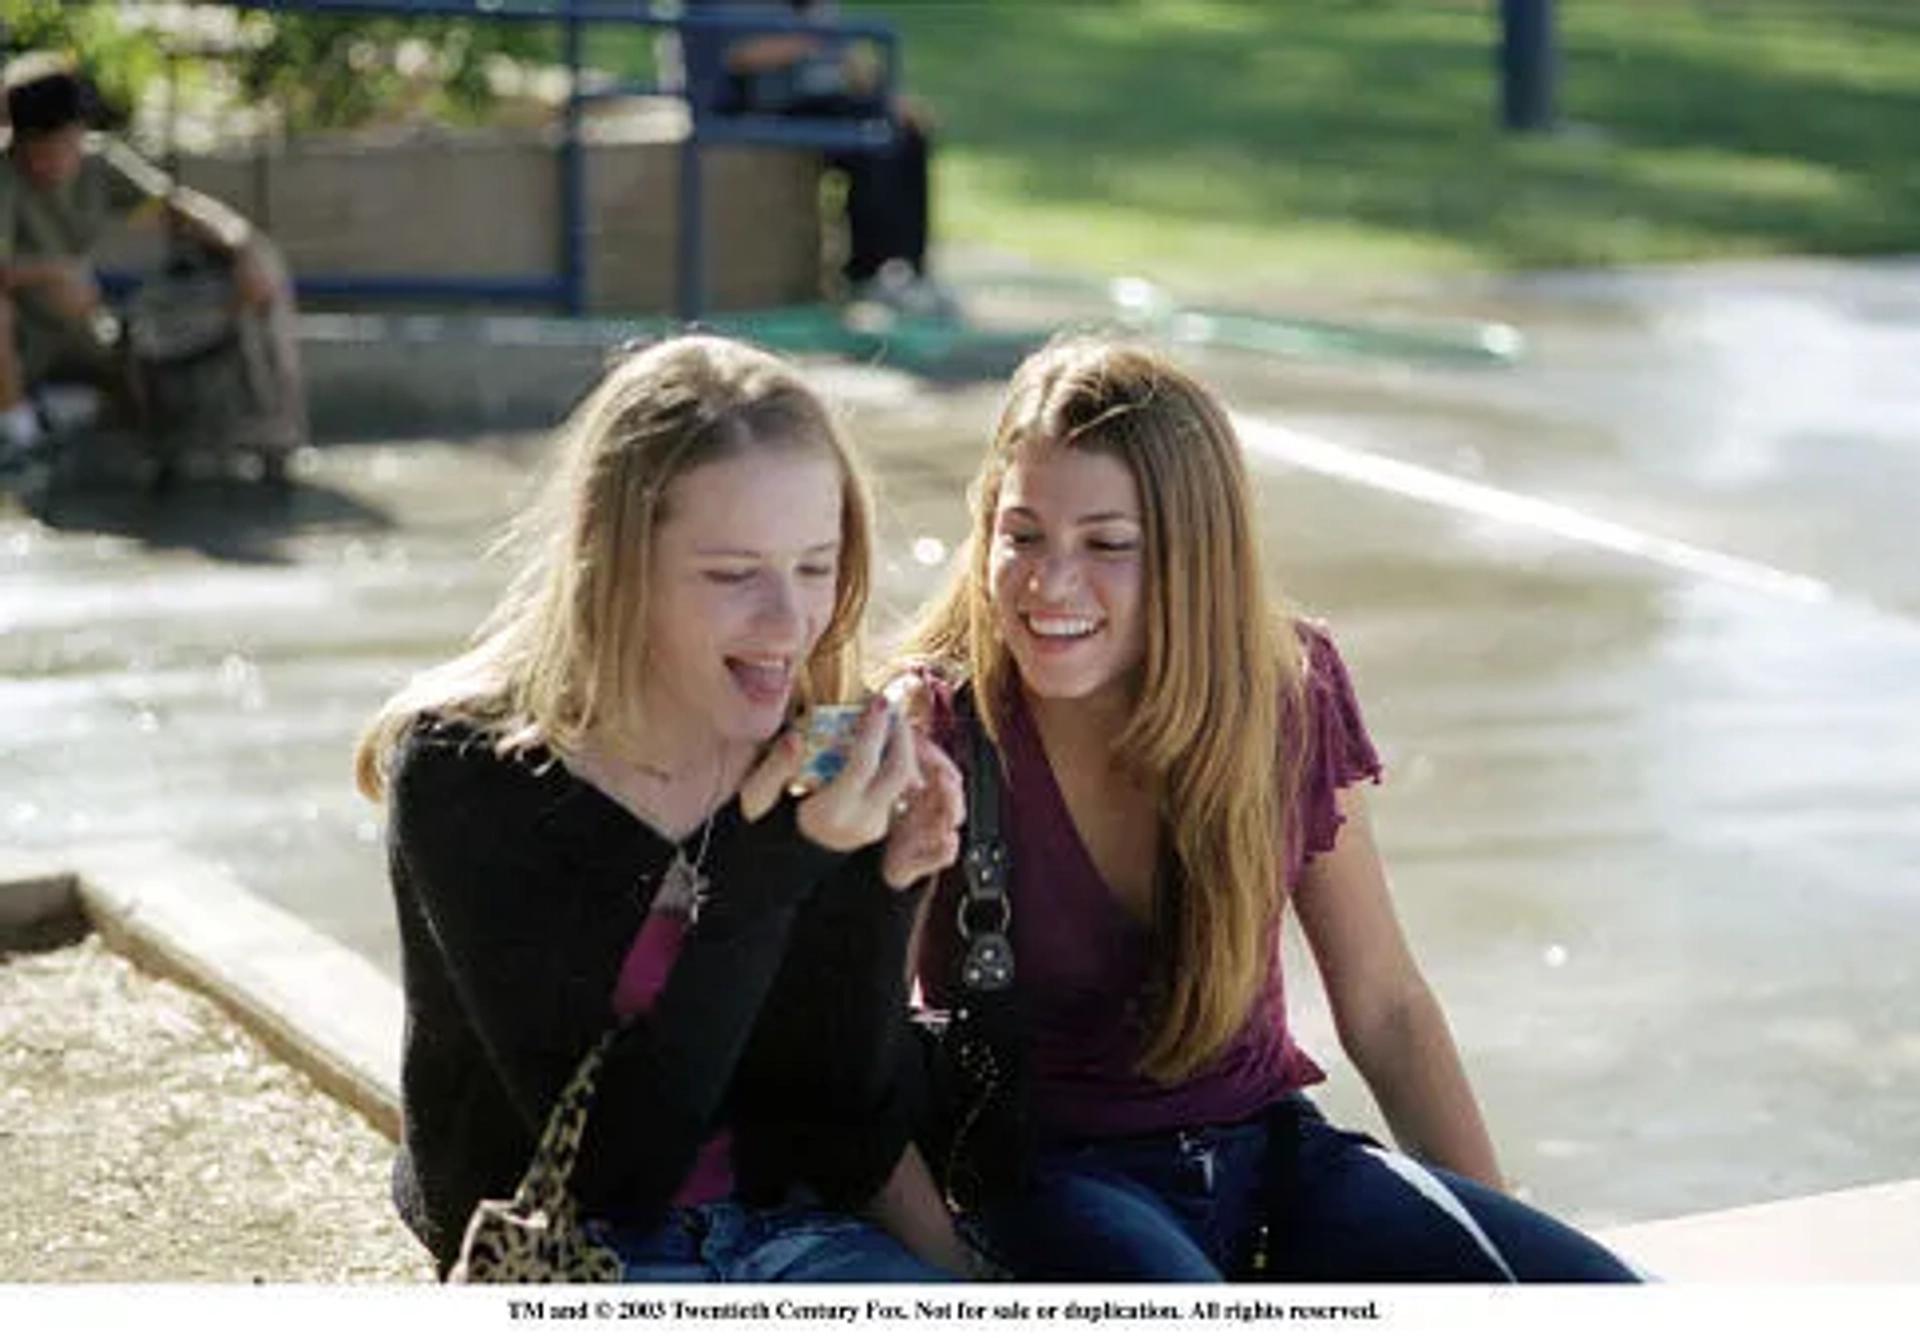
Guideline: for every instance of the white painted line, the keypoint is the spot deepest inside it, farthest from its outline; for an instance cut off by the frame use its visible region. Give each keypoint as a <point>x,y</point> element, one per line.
<point>1287,446</point>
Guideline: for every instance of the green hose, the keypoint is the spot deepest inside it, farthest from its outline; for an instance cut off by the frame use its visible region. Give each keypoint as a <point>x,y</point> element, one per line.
<point>947,345</point>
<point>1144,306</point>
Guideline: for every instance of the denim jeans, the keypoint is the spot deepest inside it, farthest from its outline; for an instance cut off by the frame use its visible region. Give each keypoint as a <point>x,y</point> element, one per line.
<point>1190,1205</point>
<point>730,1242</point>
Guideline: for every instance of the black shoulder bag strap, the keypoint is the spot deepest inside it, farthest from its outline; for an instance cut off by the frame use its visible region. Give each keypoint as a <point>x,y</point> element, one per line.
<point>982,1041</point>
<point>984,912</point>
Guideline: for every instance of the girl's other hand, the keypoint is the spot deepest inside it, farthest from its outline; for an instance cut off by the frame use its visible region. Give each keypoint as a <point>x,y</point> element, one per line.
<point>912,698</point>
<point>925,835</point>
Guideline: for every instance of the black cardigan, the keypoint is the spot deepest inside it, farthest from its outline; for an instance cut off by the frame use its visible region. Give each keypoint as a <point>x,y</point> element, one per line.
<point>519,890</point>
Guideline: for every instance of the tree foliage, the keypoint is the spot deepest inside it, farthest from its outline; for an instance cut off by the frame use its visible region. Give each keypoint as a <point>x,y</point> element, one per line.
<point>320,71</point>
<point>329,71</point>
<point>120,60</point>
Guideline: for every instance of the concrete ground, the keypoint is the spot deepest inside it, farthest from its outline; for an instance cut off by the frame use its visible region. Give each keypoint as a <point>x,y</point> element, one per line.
<point>1631,619</point>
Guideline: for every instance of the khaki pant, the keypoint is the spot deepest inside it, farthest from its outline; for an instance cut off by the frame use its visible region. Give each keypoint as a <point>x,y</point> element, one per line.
<point>53,352</point>
<point>213,376</point>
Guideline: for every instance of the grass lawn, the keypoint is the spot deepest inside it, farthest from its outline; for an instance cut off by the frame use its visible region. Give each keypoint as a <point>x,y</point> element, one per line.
<point>1277,141</point>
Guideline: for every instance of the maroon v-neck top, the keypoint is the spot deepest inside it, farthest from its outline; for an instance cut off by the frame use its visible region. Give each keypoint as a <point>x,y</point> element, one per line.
<point>1082,960</point>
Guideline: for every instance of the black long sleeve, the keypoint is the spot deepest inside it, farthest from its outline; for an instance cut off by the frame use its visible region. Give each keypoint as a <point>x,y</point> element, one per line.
<point>519,892</point>
<point>669,1072</point>
<point>832,1040</point>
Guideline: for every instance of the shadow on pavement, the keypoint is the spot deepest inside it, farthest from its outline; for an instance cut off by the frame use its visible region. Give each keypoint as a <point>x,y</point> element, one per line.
<point>226,518</point>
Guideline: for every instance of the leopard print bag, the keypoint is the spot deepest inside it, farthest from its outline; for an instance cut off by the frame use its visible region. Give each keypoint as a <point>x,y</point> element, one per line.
<point>536,1235</point>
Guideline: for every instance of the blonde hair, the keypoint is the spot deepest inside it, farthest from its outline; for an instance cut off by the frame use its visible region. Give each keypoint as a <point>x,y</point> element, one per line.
<point>1220,684</point>
<point>562,653</point>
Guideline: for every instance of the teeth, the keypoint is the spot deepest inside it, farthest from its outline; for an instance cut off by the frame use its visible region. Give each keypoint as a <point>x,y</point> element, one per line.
<point>763,674</point>
<point>1061,626</point>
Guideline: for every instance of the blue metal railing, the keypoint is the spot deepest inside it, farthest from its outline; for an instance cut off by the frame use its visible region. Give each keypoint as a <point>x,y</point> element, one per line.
<point>1529,64</point>
<point>566,286</point>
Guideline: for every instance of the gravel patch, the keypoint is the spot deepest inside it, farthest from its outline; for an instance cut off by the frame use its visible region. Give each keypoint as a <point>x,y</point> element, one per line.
<point>146,1137</point>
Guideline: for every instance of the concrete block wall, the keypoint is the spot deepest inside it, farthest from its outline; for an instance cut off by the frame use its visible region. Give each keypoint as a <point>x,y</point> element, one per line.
<point>487,204</point>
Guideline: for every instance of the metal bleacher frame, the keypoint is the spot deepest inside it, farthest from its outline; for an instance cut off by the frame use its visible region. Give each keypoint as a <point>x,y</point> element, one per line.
<point>566,286</point>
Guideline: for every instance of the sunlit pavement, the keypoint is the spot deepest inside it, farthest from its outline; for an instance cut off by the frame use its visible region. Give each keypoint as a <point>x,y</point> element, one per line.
<point>1633,621</point>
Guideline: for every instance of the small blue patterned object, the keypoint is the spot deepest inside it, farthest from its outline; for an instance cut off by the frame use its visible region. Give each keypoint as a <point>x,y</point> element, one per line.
<point>829,730</point>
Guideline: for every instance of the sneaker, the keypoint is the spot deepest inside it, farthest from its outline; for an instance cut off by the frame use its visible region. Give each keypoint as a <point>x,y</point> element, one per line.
<point>925,298</point>
<point>20,427</point>
<point>22,440</point>
<point>898,289</point>
<point>866,312</point>
<point>66,408</point>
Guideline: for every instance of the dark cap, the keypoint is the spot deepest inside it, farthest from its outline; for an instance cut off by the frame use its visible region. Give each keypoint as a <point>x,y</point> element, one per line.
<point>46,93</point>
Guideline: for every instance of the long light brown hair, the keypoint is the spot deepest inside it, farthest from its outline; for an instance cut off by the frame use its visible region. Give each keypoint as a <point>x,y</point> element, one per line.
<point>563,654</point>
<point>1221,677</point>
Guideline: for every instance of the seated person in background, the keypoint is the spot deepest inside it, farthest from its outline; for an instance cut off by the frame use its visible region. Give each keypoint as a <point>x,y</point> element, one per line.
<point>803,75</point>
<point>61,188</point>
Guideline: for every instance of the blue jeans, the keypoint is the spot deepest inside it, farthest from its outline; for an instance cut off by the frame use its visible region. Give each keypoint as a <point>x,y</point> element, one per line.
<point>729,1242</point>
<point>1325,1205</point>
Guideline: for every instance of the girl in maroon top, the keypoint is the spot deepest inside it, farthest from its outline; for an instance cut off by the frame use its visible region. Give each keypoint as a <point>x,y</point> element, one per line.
<point>1181,764</point>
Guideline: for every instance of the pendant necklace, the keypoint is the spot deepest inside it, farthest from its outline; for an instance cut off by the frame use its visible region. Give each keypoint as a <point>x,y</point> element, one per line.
<point>683,887</point>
